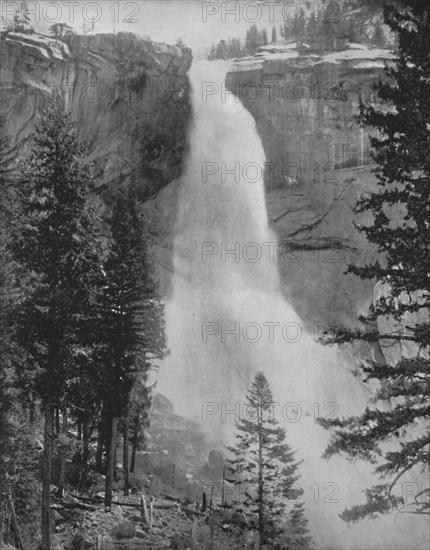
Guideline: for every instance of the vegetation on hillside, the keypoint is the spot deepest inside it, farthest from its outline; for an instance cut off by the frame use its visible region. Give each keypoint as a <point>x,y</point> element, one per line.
<point>320,28</point>
<point>82,321</point>
<point>21,19</point>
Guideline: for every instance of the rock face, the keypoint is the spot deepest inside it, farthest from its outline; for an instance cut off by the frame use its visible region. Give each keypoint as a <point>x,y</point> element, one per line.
<point>128,96</point>
<point>317,164</point>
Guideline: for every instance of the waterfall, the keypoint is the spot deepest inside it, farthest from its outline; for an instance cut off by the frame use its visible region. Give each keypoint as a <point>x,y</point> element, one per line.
<point>210,366</point>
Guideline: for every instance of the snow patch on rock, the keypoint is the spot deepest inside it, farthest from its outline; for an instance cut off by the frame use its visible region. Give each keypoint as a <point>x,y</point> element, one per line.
<point>45,45</point>
<point>359,55</point>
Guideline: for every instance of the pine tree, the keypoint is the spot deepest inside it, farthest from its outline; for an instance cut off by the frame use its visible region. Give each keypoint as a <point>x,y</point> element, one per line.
<point>221,50</point>
<point>264,38</point>
<point>6,335</point>
<point>252,41</point>
<point>235,47</point>
<point>131,329</point>
<point>212,52</point>
<point>298,27</point>
<point>282,30</point>
<point>83,399</point>
<point>226,50</point>
<point>265,464</point>
<point>297,537</point>
<point>21,20</point>
<point>400,230</point>
<point>58,30</point>
<point>57,245</point>
<point>274,35</point>
<point>7,197</point>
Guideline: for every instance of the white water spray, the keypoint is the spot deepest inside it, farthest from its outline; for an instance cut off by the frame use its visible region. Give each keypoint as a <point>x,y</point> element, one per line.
<point>206,375</point>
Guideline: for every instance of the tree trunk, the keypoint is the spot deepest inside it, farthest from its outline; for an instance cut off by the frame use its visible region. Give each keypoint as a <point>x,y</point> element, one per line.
<point>151,514</point>
<point>260,480</point>
<point>100,439</point>
<point>212,532</point>
<point>223,488</point>
<point>125,456</point>
<point>57,421</point>
<point>133,457</point>
<point>145,516</point>
<point>46,477</point>
<point>32,409</point>
<point>85,451</point>
<point>134,441</point>
<point>14,523</point>
<point>115,462</point>
<point>62,460</point>
<point>110,460</point>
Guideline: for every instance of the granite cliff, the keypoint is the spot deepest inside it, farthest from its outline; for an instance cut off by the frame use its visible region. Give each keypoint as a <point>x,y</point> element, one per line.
<point>128,96</point>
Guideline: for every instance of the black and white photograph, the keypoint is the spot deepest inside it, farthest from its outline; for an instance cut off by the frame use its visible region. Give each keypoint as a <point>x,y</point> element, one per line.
<point>215,275</point>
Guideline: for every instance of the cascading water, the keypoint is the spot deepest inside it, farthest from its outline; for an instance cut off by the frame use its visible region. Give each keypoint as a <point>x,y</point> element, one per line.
<point>209,369</point>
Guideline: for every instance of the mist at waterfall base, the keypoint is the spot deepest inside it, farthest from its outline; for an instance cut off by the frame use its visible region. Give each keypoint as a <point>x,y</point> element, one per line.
<point>212,374</point>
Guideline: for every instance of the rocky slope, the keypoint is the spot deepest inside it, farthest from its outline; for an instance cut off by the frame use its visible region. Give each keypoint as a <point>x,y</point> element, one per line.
<point>317,164</point>
<point>176,525</point>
